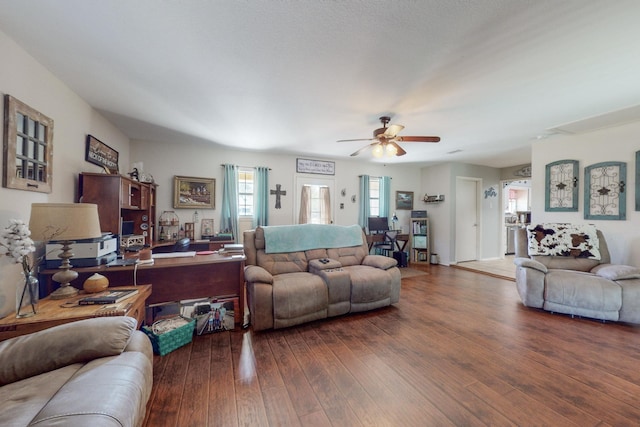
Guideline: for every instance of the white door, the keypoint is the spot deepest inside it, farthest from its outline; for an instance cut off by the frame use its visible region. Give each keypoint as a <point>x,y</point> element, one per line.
<point>467,219</point>
<point>302,181</point>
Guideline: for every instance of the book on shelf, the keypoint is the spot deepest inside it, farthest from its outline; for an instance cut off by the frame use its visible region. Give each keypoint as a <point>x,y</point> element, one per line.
<point>108,297</point>
<point>419,227</point>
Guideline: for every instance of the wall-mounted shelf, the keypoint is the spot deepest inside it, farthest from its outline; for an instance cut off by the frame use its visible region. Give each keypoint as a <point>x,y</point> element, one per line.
<point>433,199</point>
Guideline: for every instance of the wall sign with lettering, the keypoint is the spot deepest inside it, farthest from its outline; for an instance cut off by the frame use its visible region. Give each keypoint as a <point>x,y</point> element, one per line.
<point>101,154</point>
<point>320,167</point>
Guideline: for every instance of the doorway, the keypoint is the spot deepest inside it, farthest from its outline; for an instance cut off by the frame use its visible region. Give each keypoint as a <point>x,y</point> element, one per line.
<point>467,218</point>
<point>516,208</point>
<point>328,183</point>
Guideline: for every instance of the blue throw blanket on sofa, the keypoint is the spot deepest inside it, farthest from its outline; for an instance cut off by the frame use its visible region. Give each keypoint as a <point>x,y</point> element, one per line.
<point>302,237</point>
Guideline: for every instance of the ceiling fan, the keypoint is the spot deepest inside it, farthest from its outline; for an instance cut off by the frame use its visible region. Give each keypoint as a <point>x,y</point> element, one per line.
<point>385,140</point>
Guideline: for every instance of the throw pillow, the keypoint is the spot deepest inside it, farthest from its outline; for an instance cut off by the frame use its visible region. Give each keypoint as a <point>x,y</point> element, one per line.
<point>576,240</point>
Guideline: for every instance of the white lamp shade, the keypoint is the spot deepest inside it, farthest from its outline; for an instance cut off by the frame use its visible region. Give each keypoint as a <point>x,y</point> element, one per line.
<point>64,221</point>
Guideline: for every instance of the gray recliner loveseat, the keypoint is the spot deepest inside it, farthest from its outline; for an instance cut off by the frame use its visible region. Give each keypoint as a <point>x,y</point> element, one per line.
<point>300,273</point>
<point>94,372</point>
<point>575,282</point>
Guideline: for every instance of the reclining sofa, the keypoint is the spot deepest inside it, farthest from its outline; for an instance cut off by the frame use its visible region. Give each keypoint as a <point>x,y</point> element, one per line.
<point>566,268</point>
<point>299,273</point>
<point>94,372</point>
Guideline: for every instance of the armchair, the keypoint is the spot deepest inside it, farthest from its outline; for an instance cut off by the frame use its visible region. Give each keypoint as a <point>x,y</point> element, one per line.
<point>568,284</point>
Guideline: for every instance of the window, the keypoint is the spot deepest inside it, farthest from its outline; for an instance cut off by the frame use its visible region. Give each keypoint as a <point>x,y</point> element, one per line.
<point>313,200</point>
<point>317,202</point>
<point>374,196</point>
<point>245,192</point>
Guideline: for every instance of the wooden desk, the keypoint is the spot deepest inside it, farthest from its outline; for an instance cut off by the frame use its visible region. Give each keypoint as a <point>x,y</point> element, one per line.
<point>50,313</point>
<point>195,245</point>
<point>379,238</point>
<point>174,279</point>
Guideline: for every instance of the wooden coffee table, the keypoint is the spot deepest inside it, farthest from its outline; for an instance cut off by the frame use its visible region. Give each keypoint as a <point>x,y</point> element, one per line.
<point>56,312</point>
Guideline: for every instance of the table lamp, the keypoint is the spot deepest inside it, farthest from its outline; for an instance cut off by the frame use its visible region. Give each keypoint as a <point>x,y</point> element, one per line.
<point>394,220</point>
<point>65,223</point>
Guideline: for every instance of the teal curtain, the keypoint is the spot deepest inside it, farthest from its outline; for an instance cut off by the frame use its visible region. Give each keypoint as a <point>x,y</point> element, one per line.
<point>229,209</point>
<point>363,211</point>
<point>385,196</point>
<point>261,193</point>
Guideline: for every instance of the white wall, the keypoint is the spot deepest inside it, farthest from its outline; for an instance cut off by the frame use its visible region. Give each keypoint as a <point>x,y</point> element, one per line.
<point>164,160</point>
<point>435,180</point>
<point>490,208</point>
<point>441,179</point>
<point>24,78</point>
<point>613,144</point>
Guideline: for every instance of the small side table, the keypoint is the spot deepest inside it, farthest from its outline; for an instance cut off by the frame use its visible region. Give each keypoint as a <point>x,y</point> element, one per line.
<point>51,313</point>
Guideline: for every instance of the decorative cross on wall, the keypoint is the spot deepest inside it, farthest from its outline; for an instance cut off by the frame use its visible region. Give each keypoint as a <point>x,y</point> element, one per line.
<point>278,192</point>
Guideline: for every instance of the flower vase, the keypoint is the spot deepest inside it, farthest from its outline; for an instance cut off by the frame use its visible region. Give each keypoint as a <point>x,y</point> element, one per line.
<point>27,296</point>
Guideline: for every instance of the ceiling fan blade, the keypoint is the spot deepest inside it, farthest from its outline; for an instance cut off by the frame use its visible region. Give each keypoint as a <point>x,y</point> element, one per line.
<point>399,150</point>
<point>364,148</point>
<point>418,138</point>
<point>392,131</point>
<point>359,139</point>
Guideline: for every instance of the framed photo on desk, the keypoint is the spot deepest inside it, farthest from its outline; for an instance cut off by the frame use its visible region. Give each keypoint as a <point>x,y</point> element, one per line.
<point>207,228</point>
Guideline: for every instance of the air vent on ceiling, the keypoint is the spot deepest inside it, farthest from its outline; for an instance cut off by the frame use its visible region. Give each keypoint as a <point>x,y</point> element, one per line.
<point>613,118</point>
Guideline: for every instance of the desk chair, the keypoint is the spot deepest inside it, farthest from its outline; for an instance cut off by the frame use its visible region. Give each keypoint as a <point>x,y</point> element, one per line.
<point>182,245</point>
<point>388,244</point>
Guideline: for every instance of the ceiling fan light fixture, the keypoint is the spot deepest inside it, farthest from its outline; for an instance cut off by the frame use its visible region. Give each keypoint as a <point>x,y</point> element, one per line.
<point>391,150</point>
<point>385,140</point>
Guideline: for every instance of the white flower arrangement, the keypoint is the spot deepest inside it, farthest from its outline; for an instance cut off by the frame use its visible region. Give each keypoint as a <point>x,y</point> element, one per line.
<point>15,238</point>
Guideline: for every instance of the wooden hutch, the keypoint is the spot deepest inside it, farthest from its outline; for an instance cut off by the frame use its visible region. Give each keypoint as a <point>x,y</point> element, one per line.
<point>119,199</point>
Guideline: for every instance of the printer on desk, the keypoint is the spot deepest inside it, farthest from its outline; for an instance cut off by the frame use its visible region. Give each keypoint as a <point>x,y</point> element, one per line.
<point>86,252</point>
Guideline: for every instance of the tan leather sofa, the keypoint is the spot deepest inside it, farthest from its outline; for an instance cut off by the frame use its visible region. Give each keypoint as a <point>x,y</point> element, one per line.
<point>95,372</point>
<point>286,289</point>
<point>592,288</point>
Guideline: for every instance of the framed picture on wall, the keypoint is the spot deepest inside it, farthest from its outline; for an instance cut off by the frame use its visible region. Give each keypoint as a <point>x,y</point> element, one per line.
<point>404,200</point>
<point>604,191</point>
<point>190,192</point>
<point>28,148</point>
<point>561,186</point>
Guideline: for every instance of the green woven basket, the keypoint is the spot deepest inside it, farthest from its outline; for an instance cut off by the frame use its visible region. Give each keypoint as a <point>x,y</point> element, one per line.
<point>169,341</point>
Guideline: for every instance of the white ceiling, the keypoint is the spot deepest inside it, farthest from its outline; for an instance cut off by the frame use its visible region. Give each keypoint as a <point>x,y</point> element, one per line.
<point>294,76</point>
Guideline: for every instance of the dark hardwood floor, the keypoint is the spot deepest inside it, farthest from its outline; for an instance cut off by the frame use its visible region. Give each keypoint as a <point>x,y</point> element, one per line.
<point>459,349</point>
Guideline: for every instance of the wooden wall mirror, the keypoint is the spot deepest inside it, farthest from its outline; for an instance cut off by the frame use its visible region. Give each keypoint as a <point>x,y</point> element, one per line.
<point>28,148</point>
